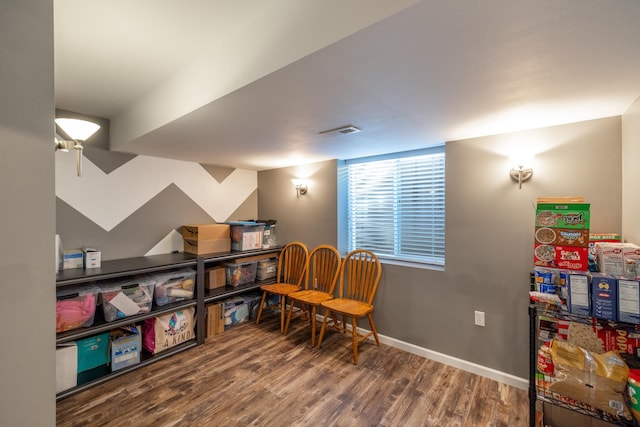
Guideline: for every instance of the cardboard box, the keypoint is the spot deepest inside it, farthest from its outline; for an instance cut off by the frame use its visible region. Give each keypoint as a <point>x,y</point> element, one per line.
<point>602,238</point>
<point>126,346</point>
<point>579,301</point>
<point>563,257</point>
<point>215,319</point>
<point>72,259</point>
<point>91,258</point>
<point>558,416</point>
<point>246,235</point>
<point>610,258</point>
<point>200,247</point>
<point>631,257</point>
<point>562,236</point>
<point>628,301</point>
<point>568,215</point>
<point>215,278</point>
<point>93,352</point>
<point>205,231</point>
<point>66,366</point>
<point>604,296</point>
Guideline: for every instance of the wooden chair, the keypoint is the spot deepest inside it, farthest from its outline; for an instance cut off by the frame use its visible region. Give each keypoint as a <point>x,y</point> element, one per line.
<point>322,275</point>
<point>291,274</point>
<point>360,274</point>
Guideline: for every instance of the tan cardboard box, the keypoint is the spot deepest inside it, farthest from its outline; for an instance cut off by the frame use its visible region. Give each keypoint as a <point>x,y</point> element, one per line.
<point>200,247</point>
<point>215,319</point>
<point>206,231</point>
<point>215,277</point>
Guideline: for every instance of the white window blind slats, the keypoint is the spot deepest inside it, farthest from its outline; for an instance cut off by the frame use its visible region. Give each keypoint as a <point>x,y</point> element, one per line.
<point>396,207</point>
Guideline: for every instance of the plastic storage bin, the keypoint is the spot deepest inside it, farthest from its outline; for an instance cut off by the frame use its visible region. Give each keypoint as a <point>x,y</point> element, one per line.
<point>76,307</point>
<point>175,286</point>
<point>246,235</point>
<point>239,274</point>
<point>122,299</point>
<point>267,269</point>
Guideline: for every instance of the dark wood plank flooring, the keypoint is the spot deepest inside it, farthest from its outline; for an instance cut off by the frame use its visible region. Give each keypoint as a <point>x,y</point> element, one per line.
<point>253,375</point>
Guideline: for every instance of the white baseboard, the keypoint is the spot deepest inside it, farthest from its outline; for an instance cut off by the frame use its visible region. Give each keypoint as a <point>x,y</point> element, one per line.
<point>465,365</point>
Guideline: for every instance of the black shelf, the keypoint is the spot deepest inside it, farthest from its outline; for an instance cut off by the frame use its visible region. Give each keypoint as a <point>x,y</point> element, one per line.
<point>229,291</point>
<point>120,268</point>
<point>100,325</point>
<point>537,392</point>
<point>145,359</point>
<point>125,267</point>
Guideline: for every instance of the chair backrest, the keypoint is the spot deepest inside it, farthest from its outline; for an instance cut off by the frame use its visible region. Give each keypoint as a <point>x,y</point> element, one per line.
<point>360,275</point>
<point>292,264</point>
<point>323,268</point>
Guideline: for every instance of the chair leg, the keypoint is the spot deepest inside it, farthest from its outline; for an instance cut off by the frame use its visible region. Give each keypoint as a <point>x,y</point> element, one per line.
<point>264,296</point>
<point>283,306</point>
<point>313,325</point>
<point>355,340</point>
<point>286,326</point>
<point>373,329</point>
<point>324,325</point>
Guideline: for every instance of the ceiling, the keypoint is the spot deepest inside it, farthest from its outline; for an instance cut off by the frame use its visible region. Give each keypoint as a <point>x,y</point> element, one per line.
<point>250,84</point>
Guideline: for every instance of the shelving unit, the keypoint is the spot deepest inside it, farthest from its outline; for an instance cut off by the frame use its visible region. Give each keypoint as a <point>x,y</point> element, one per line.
<point>123,268</point>
<point>537,393</point>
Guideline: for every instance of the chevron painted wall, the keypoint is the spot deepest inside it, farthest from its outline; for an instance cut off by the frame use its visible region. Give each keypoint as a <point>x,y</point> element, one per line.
<point>130,206</point>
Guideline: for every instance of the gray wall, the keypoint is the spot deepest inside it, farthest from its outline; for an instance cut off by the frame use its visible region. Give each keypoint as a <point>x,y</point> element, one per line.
<point>311,218</point>
<point>27,218</point>
<point>489,237</point>
<point>630,178</point>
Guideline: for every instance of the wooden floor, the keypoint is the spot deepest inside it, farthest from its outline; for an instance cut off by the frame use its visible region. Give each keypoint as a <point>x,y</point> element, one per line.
<point>253,375</point>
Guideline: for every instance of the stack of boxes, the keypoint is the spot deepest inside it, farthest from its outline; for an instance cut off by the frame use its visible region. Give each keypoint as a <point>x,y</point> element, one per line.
<point>561,248</point>
<point>562,236</point>
<point>202,239</point>
<point>595,274</point>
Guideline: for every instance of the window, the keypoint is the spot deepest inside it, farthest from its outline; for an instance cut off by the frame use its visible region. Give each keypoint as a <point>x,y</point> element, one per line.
<point>395,206</point>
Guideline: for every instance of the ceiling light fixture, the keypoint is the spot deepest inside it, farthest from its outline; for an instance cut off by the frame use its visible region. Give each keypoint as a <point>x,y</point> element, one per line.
<point>345,130</point>
<point>78,131</point>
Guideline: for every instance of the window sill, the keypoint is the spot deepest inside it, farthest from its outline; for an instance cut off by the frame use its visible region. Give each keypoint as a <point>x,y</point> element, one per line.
<point>412,264</point>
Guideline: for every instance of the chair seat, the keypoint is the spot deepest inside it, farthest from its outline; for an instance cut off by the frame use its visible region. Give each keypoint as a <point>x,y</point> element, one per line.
<point>280,288</point>
<point>310,296</point>
<point>348,306</point>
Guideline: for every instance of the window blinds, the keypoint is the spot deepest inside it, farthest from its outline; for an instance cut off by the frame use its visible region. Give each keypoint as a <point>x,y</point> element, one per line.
<point>396,207</point>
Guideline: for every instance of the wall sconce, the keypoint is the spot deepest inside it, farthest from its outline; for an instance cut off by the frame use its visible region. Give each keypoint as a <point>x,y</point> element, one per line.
<point>78,131</point>
<point>520,174</point>
<point>301,187</point>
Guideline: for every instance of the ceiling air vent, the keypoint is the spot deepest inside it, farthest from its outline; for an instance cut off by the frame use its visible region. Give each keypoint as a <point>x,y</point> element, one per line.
<point>345,130</point>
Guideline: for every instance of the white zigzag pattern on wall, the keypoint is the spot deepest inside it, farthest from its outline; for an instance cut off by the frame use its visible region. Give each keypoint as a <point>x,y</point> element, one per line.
<point>109,199</point>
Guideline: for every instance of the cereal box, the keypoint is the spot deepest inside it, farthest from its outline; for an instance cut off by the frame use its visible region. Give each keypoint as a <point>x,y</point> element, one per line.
<point>569,215</point>
<point>562,236</point>
<point>564,257</point>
